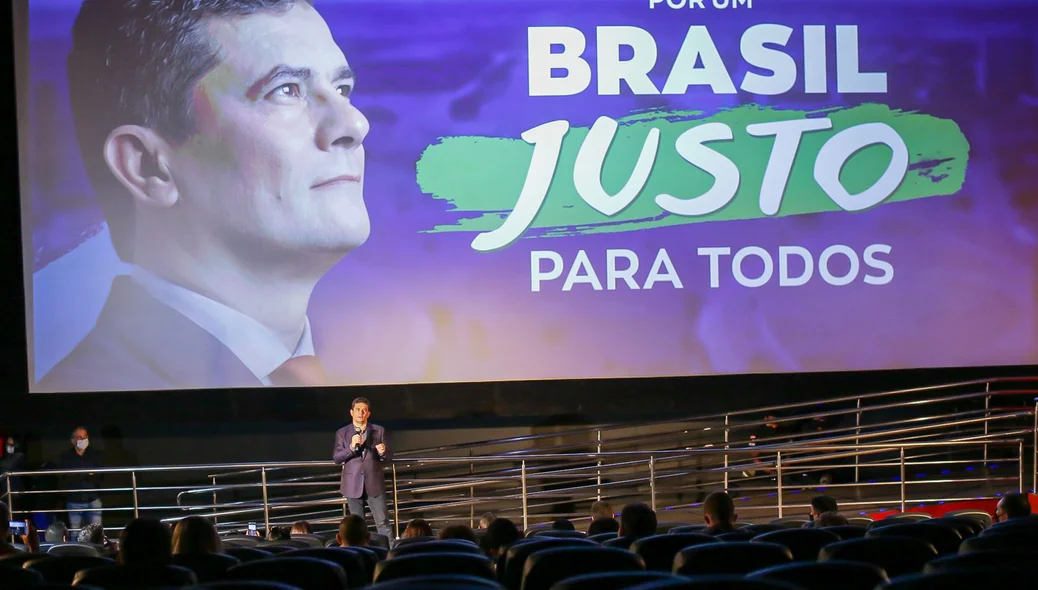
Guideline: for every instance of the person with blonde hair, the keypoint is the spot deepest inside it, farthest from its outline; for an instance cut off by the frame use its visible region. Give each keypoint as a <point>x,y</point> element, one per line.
<point>194,535</point>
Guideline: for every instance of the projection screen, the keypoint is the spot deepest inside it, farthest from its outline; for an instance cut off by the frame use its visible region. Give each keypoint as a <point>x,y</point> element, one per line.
<point>237,193</point>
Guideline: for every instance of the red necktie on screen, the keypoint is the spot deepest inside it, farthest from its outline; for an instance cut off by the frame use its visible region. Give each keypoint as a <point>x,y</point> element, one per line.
<point>300,371</point>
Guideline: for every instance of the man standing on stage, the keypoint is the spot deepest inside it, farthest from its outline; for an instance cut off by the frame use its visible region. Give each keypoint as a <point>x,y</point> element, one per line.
<point>361,448</point>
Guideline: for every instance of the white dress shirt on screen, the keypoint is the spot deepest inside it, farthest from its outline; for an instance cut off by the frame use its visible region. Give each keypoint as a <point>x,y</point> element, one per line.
<point>256,345</point>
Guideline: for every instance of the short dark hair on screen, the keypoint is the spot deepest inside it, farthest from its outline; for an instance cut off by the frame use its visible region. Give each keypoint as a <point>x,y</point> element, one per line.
<point>824,504</point>
<point>360,400</point>
<point>135,62</point>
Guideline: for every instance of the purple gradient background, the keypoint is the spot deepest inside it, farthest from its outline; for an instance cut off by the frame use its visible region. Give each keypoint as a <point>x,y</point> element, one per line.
<point>418,307</point>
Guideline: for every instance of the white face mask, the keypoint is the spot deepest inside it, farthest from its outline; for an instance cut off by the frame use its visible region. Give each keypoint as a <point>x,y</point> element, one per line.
<point>10,449</point>
<point>82,444</point>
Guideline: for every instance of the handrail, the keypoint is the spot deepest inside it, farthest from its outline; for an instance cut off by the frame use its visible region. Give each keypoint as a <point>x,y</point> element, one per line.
<point>758,411</point>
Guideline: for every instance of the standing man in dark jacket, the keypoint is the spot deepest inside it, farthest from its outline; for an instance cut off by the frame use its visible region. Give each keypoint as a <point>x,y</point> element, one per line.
<point>85,505</point>
<point>361,448</point>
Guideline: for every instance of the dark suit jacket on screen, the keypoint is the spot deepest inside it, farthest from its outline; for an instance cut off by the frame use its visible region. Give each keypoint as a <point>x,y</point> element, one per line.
<point>361,469</point>
<point>142,343</point>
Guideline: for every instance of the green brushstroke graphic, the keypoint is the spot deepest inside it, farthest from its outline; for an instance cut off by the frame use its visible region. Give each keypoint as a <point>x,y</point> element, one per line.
<point>481,177</point>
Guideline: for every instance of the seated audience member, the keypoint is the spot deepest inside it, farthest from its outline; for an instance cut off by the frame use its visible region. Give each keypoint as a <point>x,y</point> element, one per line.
<point>501,534</point>
<point>146,542</point>
<point>302,527</point>
<point>457,531</point>
<point>1012,505</point>
<point>718,514</point>
<point>5,530</point>
<point>637,521</point>
<point>194,535</point>
<point>56,533</point>
<point>279,533</point>
<point>831,519</point>
<point>602,520</point>
<point>92,533</point>
<point>417,528</point>
<point>821,505</point>
<point>486,520</point>
<point>562,524</point>
<point>353,532</point>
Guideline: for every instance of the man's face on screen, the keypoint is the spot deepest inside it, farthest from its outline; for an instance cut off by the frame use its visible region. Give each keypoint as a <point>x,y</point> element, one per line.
<point>276,162</point>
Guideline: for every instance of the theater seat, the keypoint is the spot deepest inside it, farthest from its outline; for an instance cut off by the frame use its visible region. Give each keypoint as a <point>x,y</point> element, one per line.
<point>663,528</point>
<point>826,575</point>
<point>379,540</point>
<point>804,544</point>
<point>944,539</point>
<point>965,578</point>
<point>658,551</point>
<point>620,542</point>
<point>715,583</point>
<point>545,568</point>
<point>740,536</point>
<point>427,564</point>
<point>979,516</point>
<point>603,537</point>
<point>1007,540</point>
<point>964,526</point>
<point>760,529</point>
<point>16,577</point>
<point>367,556</point>
<point>246,554</point>
<point>691,528</point>
<point>1013,524</point>
<point>610,580</point>
<point>996,559</point>
<point>17,559</point>
<point>305,573</point>
<point>75,549</point>
<point>440,582</point>
<point>846,532</point>
<point>729,558</point>
<point>897,556</point>
<point>130,577</point>
<point>444,546</point>
<point>61,569</point>
<point>517,554</point>
<point>246,585</point>
<point>352,564</point>
<point>559,534</point>
<point>208,567</point>
<point>293,543</point>
<point>409,540</point>
<point>240,541</point>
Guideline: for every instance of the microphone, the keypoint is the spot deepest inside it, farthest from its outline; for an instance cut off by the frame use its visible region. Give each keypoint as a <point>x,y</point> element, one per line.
<point>363,434</point>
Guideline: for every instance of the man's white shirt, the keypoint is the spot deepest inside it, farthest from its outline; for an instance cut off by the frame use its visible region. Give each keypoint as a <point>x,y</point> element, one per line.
<point>256,345</point>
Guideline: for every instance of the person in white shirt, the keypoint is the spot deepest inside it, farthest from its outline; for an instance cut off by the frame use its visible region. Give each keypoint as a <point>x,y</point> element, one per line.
<point>221,141</point>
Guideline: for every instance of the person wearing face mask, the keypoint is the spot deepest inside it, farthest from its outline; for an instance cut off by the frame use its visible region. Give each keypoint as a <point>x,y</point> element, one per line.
<point>83,506</point>
<point>12,459</point>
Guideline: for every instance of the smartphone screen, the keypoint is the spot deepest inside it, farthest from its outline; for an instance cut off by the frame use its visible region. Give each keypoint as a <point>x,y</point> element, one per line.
<point>252,526</point>
<point>17,527</point>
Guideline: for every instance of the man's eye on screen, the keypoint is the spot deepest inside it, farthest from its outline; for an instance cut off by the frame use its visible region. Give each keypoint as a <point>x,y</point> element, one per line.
<point>286,91</point>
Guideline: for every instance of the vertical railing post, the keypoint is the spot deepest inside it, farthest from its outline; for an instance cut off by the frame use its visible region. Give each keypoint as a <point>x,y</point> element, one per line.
<point>10,496</point>
<point>266,504</point>
<point>472,499</point>
<point>987,419</point>
<point>136,506</point>
<point>526,516</point>
<point>726,453</point>
<point>1034,448</point>
<point>857,441</point>
<point>902,479</point>
<point>652,482</point>
<point>396,505</point>
<point>598,478</point>
<point>1021,456</point>
<point>216,515</point>
<point>778,478</point>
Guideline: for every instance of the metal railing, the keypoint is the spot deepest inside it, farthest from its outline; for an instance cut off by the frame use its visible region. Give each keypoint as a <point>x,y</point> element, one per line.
<point>670,465</point>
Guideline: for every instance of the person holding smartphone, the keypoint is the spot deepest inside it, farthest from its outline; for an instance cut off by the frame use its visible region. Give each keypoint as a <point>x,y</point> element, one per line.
<point>16,532</point>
